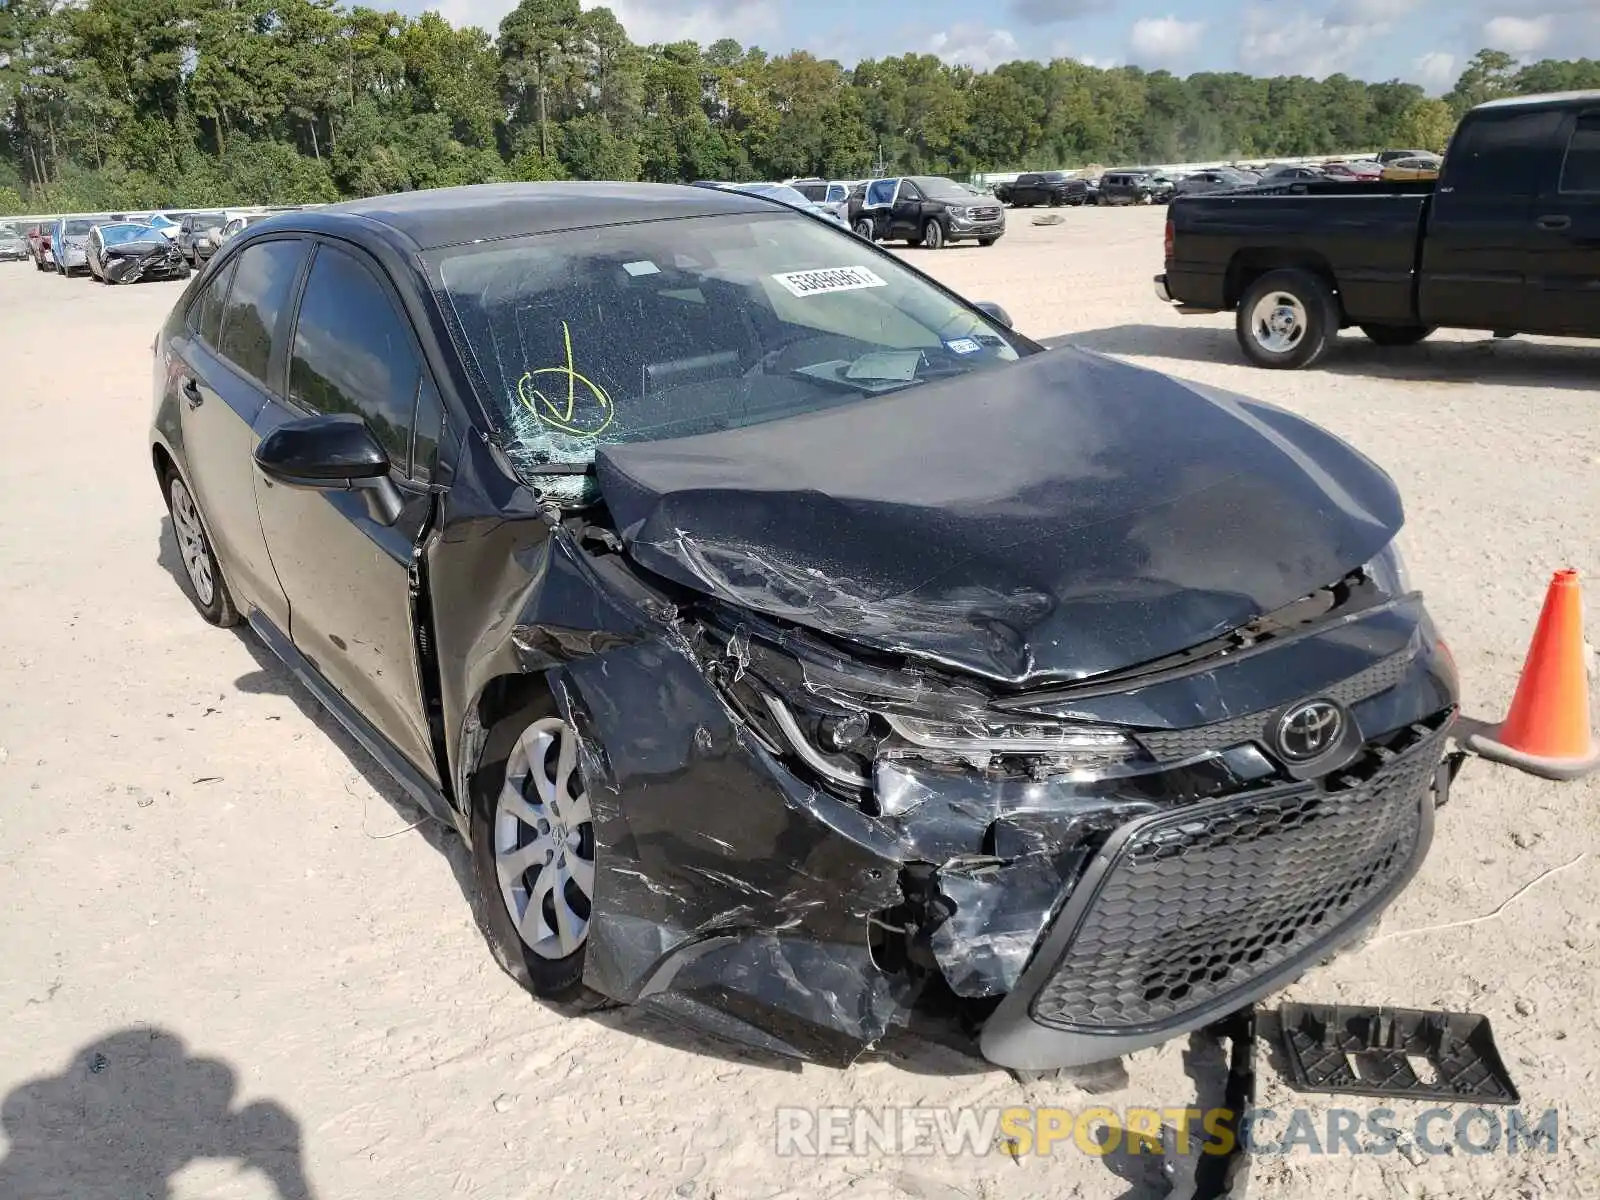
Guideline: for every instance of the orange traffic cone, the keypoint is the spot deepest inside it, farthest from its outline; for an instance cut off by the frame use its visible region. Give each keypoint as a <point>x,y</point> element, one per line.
<point>1547,731</point>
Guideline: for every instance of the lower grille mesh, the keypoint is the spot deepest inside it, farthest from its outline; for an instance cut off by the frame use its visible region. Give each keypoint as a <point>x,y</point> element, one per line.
<point>1201,902</point>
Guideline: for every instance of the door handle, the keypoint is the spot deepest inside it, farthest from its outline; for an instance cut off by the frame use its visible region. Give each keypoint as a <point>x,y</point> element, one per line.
<point>1555,223</point>
<point>191,392</point>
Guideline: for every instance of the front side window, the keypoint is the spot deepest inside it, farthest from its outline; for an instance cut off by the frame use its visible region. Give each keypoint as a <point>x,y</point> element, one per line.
<point>1580,173</point>
<point>674,328</point>
<point>261,284</point>
<point>352,353</point>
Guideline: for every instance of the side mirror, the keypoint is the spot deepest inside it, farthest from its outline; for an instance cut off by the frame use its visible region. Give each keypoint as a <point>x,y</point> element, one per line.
<point>994,311</point>
<point>331,453</point>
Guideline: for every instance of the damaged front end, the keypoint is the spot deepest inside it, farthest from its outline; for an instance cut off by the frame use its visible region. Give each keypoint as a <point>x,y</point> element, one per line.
<point>131,262</point>
<point>804,845</point>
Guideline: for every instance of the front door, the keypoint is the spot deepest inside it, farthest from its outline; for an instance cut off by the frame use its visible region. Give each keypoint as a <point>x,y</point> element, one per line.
<point>348,574</point>
<point>1475,247</point>
<point>1564,252</point>
<point>905,217</point>
<point>220,371</point>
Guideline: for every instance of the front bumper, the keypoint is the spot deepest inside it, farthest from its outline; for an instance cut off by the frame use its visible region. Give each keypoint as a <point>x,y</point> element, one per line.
<point>741,891</point>
<point>965,230</point>
<point>74,257</point>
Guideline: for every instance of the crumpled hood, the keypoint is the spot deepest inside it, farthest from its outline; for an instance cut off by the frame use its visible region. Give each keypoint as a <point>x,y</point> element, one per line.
<point>138,249</point>
<point>1054,518</point>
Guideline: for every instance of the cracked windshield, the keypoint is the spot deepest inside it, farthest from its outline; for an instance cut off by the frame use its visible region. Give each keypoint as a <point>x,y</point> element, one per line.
<point>672,328</point>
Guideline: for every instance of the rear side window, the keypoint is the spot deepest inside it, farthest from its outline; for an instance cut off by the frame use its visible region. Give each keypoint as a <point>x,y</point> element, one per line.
<point>1581,171</point>
<point>261,284</point>
<point>353,354</point>
<point>1502,153</point>
<point>205,318</point>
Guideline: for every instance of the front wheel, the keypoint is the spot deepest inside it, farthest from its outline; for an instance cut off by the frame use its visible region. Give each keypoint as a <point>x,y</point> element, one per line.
<point>933,235</point>
<point>1398,335</point>
<point>1287,319</point>
<point>533,851</point>
<point>864,230</point>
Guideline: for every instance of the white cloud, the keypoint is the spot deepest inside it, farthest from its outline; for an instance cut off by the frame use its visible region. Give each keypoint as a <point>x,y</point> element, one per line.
<point>1277,41</point>
<point>1436,71</point>
<point>647,21</point>
<point>1369,12</point>
<point>1519,35</point>
<point>975,46</point>
<point>1164,40</point>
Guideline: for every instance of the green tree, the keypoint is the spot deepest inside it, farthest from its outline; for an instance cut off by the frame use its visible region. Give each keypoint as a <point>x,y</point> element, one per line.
<point>1426,125</point>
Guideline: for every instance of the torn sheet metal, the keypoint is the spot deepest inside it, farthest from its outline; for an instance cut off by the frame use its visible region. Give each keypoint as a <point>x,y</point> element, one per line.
<point>1036,531</point>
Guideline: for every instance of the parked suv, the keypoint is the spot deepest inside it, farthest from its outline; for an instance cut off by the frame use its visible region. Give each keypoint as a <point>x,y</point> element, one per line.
<point>1127,187</point>
<point>834,194</point>
<point>928,210</point>
<point>194,227</point>
<point>1054,188</point>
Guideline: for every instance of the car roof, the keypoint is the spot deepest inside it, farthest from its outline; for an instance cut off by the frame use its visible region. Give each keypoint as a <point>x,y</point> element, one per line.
<point>478,212</point>
<point>1544,100</point>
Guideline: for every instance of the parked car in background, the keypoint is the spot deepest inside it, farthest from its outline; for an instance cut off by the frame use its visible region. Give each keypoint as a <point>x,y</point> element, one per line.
<point>1054,188</point>
<point>39,246</point>
<point>1291,173</point>
<point>930,211</point>
<point>125,252</point>
<point>1126,187</point>
<point>784,194</point>
<point>1162,187</point>
<point>163,224</point>
<point>1217,179</point>
<point>1386,157</point>
<point>833,194</point>
<point>13,243</point>
<point>793,635</point>
<point>1411,170</point>
<point>1357,170</point>
<point>207,244</point>
<point>69,242</point>
<point>1508,242</point>
<point>194,227</point>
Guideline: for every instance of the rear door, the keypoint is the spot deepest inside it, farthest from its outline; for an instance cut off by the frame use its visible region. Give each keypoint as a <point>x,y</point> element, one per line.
<point>348,575</point>
<point>1564,257</point>
<point>235,338</point>
<point>1480,231</point>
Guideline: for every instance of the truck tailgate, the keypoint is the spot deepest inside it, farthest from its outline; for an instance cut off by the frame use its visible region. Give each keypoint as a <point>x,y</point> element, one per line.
<point>1364,235</point>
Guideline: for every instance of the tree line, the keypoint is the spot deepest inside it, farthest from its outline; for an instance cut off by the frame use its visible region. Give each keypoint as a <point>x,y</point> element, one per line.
<point>170,103</point>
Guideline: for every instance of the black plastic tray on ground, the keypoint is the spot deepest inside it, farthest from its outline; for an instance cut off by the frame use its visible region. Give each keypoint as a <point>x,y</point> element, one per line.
<point>1380,1051</point>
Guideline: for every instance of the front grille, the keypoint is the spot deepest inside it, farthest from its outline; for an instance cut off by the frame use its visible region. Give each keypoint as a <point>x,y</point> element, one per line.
<point>986,214</point>
<point>1196,904</point>
<point>1174,745</point>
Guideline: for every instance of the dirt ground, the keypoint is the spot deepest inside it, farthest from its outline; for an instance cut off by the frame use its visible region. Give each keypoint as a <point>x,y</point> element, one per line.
<point>231,969</point>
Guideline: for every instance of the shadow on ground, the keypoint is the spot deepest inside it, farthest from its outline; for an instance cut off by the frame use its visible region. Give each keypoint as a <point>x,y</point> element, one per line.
<point>1502,363</point>
<point>130,1112</point>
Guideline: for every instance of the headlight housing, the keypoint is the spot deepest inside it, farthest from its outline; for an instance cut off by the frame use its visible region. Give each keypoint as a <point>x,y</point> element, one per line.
<point>1387,570</point>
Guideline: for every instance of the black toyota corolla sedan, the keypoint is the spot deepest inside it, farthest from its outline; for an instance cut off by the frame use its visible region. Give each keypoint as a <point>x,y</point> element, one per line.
<point>803,652</point>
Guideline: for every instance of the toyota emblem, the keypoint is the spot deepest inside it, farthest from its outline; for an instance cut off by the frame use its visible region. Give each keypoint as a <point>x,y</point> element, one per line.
<point>1309,730</point>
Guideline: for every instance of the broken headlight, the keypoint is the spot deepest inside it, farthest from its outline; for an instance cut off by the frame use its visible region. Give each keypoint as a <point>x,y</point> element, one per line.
<point>1093,744</point>
<point>1387,571</point>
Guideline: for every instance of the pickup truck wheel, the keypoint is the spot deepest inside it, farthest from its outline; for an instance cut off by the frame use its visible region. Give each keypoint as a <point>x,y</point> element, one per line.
<point>1398,335</point>
<point>1287,319</point>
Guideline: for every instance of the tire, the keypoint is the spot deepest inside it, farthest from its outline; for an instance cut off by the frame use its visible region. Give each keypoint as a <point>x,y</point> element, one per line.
<point>504,829</point>
<point>932,236</point>
<point>864,229</point>
<point>1287,319</point>
<point>207,588</point>
<point>1055,200</point>
<point>1398,335</point>
<point>987,241</point>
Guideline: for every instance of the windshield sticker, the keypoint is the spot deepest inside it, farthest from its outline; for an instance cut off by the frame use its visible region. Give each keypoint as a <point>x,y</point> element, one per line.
<point>590,419</point>
<point>829,279</point>
<point>962,346</point>
<point>645,267</point>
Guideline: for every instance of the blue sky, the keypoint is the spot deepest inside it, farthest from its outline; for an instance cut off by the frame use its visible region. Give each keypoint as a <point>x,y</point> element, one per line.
<point>1426,41</point>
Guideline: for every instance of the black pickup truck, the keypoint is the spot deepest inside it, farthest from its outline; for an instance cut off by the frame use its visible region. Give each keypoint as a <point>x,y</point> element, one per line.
<point>1507,239</point>
<point>1043,187</point>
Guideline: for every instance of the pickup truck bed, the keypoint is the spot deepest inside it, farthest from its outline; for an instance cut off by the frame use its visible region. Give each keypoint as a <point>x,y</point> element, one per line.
<point>1506,240</point>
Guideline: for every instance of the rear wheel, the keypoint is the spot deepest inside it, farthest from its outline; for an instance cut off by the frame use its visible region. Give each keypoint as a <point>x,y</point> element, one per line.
<point>533,851</point>
<point>933,235</point>
<point>1287,319</point>
<point>1398,335</point>
<point>207,588</point>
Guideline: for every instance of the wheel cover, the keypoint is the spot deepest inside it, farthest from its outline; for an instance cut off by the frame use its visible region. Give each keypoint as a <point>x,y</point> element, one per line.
<point>933,235</point>
<point>544,841</point>
<point>192,543</point>
<point>1279,322</point>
